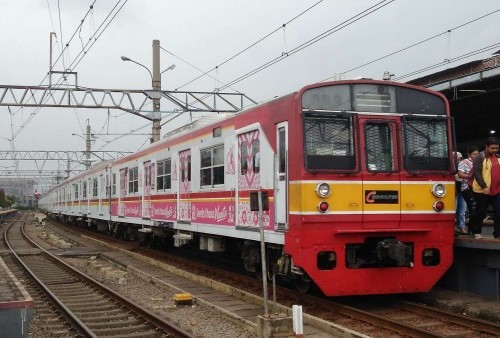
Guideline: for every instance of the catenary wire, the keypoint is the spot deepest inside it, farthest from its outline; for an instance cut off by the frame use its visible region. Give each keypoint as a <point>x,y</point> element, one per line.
<point>416,43</point>
<point>248,47</point>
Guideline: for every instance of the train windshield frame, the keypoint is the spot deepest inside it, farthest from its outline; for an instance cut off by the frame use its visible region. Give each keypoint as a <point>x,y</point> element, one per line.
<point>330,115</point>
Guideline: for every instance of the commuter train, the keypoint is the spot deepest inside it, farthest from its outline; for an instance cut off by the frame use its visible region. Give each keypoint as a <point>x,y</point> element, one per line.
<point>358,175</point>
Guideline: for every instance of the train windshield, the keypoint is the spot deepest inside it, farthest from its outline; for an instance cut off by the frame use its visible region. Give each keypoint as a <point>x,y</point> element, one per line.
<point>329,141</point>
<point>425,144</point>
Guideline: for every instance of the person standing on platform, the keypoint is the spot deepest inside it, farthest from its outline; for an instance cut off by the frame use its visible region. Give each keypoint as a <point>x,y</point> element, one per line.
<point>465,173</point>
<point>486,187</point>
<point>459,200</point>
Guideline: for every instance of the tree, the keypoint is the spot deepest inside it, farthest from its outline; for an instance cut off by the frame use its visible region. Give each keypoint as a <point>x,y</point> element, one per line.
<point>10,200</point>
<point>2,199</point>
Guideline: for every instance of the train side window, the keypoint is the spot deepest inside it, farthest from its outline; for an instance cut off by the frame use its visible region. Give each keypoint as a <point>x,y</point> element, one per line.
<point>164,174</point>
<point>212,166</point>
<point>282,152</point>
<point>94,187</point>
<point>123,181</point>
<point>256,155</point>
<point>113,187</point>
<point>133,180</point>
<point>75,189</point>
<point>84,189</point>
<point>185,159</point>
<point>108,185</point>
<point>244,155</point>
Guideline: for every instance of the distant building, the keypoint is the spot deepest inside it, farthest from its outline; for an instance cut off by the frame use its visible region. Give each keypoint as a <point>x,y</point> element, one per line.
<point>21,188</point>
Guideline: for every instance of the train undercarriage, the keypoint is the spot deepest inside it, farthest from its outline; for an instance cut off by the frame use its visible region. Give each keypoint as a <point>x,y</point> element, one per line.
<point>374,252</point>
<point>163,236</point>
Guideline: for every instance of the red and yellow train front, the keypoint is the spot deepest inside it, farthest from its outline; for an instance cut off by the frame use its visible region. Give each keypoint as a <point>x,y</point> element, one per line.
<point>371,209</point>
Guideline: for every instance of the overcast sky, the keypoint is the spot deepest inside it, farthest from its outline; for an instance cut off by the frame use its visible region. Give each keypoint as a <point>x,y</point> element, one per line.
<point>197,36</point>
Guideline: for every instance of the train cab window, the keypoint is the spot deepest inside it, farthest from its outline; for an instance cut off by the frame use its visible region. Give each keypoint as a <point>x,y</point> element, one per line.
<point>329,142</point>
<point>379,147</point>
<point>164,174</point>
<point>133,180</point>
<point>425,144</point>
<point>212,167</point>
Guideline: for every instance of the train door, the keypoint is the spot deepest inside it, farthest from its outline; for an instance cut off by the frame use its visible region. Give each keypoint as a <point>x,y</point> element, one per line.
<point>123,192</point>
<point>381,180</point>
<point>281,177</point>
<point>148,179</point>
<point>184,203</point>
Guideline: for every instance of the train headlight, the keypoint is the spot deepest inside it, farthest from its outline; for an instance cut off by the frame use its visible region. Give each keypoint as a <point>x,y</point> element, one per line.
<point>323,190</point>
<point>438,190</point>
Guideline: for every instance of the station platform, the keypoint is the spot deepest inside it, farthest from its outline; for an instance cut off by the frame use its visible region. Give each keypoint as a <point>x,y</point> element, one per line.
<point>476,267</point>
<point>16,305</point>
<point>5,213</point>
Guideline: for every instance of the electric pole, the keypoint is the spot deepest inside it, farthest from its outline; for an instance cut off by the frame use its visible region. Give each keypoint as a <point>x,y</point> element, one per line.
<point>156,92</point>
<point>87,147</point>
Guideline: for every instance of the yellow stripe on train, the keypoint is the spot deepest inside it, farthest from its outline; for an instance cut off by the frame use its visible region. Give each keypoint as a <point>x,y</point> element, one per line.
<point>356,196</point>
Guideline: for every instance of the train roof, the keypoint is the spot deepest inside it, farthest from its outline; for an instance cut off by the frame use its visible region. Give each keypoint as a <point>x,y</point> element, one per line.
<point>200,123</point>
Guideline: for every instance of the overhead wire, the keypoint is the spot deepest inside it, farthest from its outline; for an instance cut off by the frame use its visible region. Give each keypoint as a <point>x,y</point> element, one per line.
<point>55,62</point>
<point>248,47</point>
<point>94,38</point>
<point>415,44</point>
<point>448,61</point>
<point>312,41</point>
<point>60,29</point>
<point>71,66</point>
<point>370,10</point>
<point>77,29</point>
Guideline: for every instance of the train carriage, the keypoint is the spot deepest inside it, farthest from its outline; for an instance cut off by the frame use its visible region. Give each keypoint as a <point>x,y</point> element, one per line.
<point>359,176</point>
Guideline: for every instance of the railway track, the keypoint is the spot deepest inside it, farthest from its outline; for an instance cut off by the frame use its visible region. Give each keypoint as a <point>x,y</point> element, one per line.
<point>372,316</point>
<point>94,309</point>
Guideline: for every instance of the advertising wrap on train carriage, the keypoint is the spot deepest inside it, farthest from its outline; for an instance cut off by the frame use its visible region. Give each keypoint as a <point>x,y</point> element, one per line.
<point>114,208</point>
<point>132,208</point>
<point>219,213</point>
<point>164,210</point>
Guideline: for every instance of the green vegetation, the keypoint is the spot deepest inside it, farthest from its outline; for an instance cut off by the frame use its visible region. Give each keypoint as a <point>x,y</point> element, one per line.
<point>6,201</point>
